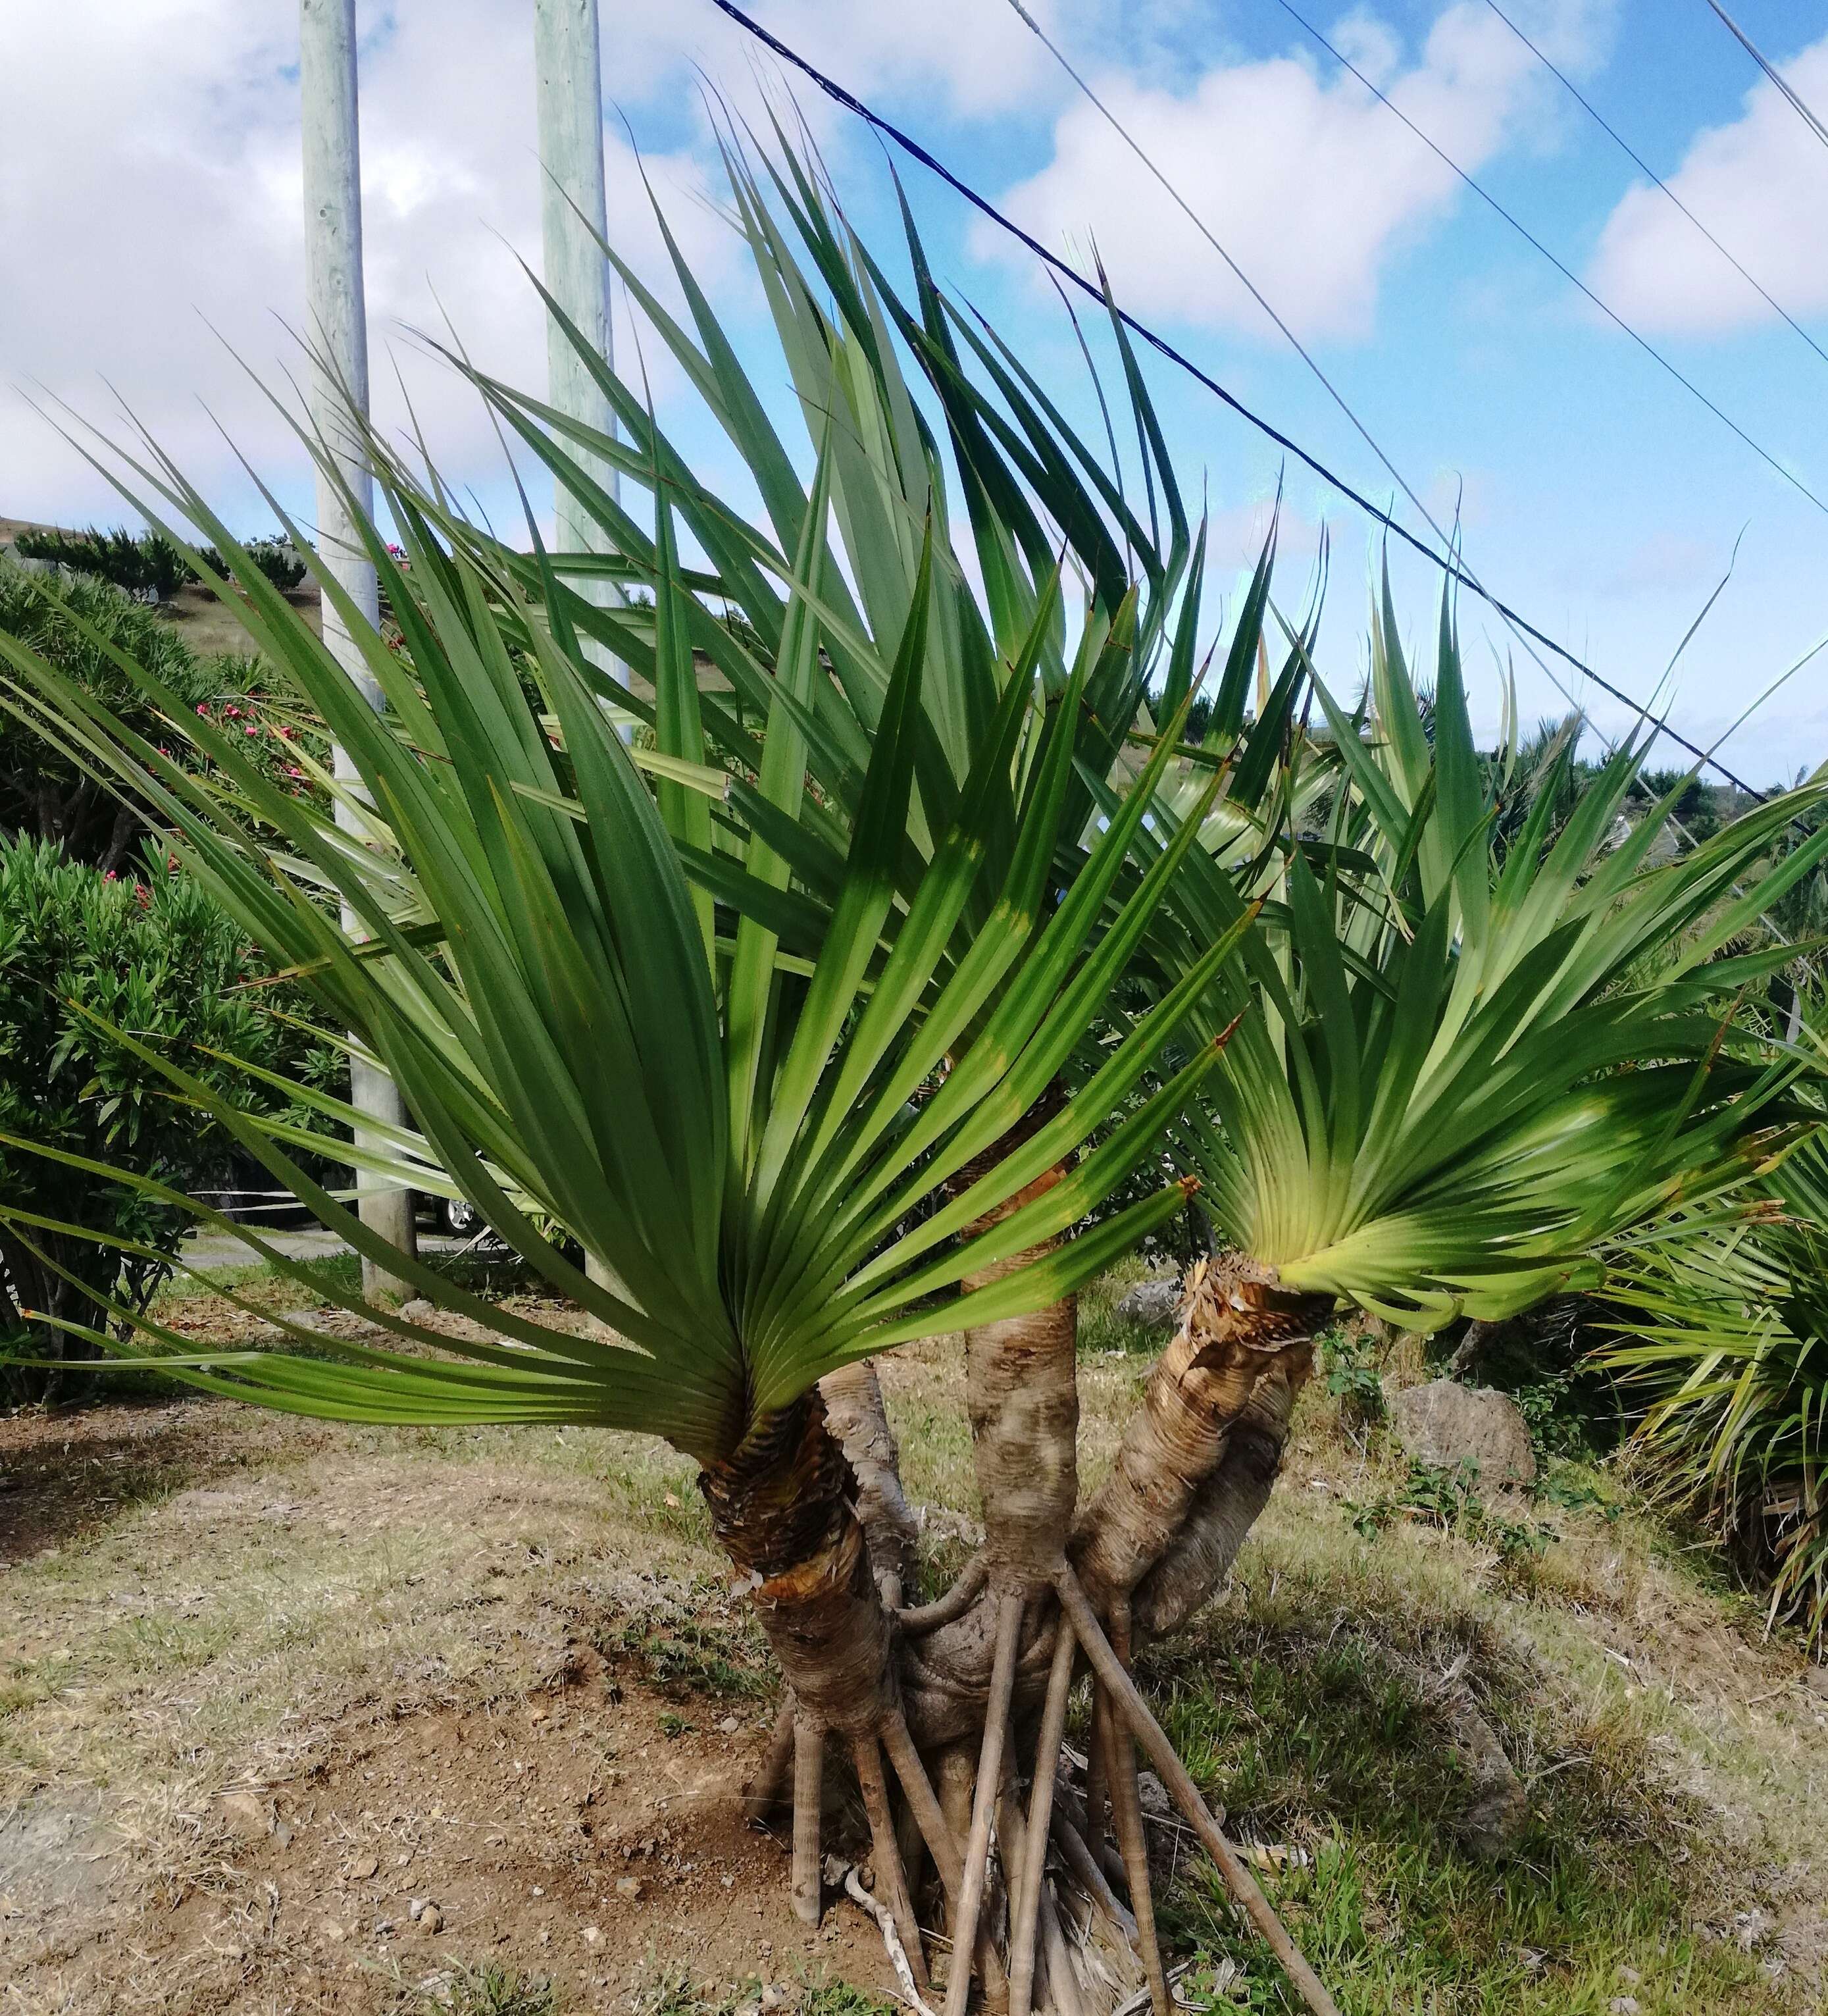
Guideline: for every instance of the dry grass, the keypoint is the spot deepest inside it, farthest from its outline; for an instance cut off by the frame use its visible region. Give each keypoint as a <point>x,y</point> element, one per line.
<point>311,1593</point>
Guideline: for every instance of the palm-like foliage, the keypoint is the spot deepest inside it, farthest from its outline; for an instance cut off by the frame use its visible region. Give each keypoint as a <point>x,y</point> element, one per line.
<point>1467,1075</point>
<point>1723,1338</point>
<point>722,1111</point>
<point>734,1029</point>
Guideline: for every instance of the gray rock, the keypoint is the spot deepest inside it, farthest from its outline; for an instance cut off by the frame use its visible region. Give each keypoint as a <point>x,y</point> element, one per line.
<point>1447,1423</point>
<point>1155,1303</point>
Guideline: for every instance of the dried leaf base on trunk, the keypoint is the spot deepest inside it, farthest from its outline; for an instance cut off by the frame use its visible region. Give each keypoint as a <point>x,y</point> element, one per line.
<point>951,1716</point>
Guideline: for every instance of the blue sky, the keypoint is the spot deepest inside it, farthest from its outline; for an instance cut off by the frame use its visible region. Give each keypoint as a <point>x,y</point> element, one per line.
<point>149,178</point>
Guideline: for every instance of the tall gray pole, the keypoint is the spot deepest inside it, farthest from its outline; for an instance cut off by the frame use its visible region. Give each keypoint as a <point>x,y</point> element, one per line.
<point>336,325</point>
<point>567,62</point>
<point>566,58</point>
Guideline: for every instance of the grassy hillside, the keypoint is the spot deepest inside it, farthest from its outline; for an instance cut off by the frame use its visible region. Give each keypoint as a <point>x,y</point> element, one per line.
<point>264,1685</point>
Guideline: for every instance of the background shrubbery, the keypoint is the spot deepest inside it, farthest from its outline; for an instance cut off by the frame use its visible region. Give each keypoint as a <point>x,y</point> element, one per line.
<point>74,622</point>
<point>147,565</point>
<point>97,927</point>
<point>149,954</point>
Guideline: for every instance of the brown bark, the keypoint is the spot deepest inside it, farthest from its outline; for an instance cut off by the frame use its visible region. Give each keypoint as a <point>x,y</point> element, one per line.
<point>1227,1505</point>
<point>781,1505</point>
<point>855,1414</point>
<point>1022,1393</point>
<point>1237,1326</point>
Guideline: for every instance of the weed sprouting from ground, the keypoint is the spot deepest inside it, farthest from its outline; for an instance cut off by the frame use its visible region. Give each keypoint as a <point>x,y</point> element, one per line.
<point>487,1990</point>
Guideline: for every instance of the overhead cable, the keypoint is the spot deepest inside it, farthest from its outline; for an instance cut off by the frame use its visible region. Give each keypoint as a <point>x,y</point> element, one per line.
<point>1631,154</point>
<point>1454,570</point>
<point>1770,71</point>
<point>1567,272</point>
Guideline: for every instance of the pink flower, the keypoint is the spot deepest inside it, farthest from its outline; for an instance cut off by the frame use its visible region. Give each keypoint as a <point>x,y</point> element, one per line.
<point>203,708</point>
<point>110,876</point>
<point>250,729</point>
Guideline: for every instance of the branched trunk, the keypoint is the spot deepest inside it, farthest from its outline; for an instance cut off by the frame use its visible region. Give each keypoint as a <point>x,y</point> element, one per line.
<point>855,1414</point>
<point>1238,1330</point>
<point>781,1506</point>
<point>949,1696</point>
<point>1227,1505</point>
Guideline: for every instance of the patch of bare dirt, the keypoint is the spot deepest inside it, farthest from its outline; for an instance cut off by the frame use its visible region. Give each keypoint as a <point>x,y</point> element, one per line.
<point>65,1472</point>
<point>587,1834</point>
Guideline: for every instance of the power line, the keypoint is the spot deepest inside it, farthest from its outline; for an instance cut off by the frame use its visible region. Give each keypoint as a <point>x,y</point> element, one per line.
<point>1782,84</point>
<point>1567,272</point>
<point>1451,569</point>
<point>1632,153</point>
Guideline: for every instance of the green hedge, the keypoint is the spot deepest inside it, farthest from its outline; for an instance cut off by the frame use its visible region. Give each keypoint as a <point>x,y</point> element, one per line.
<point>150,954</point>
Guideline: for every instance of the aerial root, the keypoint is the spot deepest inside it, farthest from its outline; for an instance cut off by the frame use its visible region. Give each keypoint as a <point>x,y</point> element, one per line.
<point>1043,1971</point>
<point>1130,1706</point>
<point>891,1877</point>
<point>1118,1746</point>
<point>1025,1893</point>
<point>808,1790</point>
<point>990,1769</point>
<point>768,1786</point>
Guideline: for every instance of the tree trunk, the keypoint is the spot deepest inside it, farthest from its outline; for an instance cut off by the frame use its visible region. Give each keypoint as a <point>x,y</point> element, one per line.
<point>855,1414</point>
<point>952,1685</point>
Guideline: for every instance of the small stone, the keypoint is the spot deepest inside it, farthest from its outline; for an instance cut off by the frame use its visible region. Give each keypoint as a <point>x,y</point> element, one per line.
<point>772,1997</point>
<point>538,1890</point>
<point>431,1919</point>
<point>593,1935</point>
<point>363,1867</point>
<point>729,1724</point>
<point>1630,1976</point>
<point>282,1833</point>
<point>1623,2005</point>
<point>415,1908</point>
<point>248,1815</point>
<point>334,1932</point>
<point>628,1886</point>
<point>1446,1423</point>
<point>382,1927</point>
<point>417,1310</point>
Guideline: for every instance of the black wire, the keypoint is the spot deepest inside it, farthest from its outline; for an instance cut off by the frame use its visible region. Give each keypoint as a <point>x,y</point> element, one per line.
<point>1454,572</point>
<point>1567,272</point>
<point>1632,153</point>
<point>1757,56</point>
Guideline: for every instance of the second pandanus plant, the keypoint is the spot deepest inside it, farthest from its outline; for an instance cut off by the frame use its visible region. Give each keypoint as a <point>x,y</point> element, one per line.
<point>1465,1074</point>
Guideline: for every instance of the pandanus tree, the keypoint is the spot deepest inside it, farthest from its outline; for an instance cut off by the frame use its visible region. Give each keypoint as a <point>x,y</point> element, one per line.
<point>781,1012</point>
<point>1467,1075</point>
<point>792,1043</point>
<point>1721,1324</point>
<point>994,1649</point>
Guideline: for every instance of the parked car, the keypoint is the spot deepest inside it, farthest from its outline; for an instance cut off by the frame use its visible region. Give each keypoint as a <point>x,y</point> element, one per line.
<point>247,1195</point>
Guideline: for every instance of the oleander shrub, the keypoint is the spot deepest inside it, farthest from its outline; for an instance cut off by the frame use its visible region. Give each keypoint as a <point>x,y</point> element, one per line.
<point>78,623</point>
<point>85,954</point>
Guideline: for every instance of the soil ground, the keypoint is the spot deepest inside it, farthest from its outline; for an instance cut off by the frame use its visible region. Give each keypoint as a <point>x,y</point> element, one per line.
<point>303,1718</point>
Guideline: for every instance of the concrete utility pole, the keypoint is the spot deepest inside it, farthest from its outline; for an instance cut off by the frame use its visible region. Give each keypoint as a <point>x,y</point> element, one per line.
<point>336,325</point>
<point>566,54</point>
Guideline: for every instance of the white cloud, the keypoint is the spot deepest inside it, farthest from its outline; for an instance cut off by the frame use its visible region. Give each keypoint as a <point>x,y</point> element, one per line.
<point>1310,183</point>
<point>1759,185</point>
<point>977,51</point>
<point>150,190</point>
